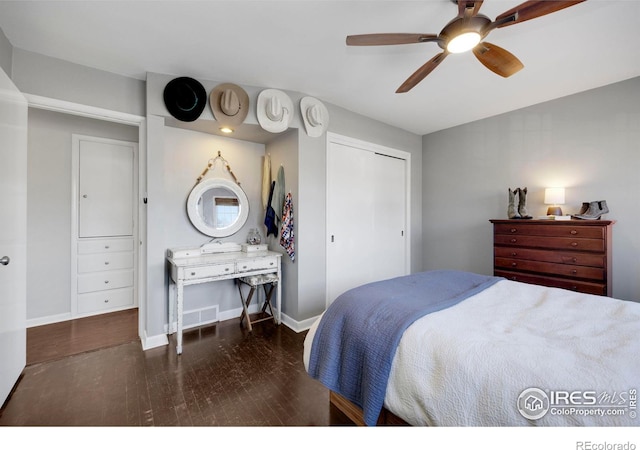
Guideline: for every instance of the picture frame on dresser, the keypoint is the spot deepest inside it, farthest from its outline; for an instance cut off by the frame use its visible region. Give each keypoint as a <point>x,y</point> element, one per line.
<point>568,254</point>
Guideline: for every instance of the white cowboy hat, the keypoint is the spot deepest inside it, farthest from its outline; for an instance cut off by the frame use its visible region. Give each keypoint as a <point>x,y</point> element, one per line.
<point>229,104</point>
<point>314,115</point>
<point>274,110</point>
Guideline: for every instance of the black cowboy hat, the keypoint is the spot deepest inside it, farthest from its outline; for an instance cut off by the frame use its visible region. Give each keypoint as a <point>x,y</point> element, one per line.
<point>185,98</point>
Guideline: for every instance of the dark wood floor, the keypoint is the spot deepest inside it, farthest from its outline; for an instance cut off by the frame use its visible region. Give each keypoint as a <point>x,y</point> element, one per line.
<point>224,377</point>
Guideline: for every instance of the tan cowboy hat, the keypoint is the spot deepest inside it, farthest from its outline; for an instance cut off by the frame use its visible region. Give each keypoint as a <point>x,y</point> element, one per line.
<point>314,115</point>
<point>274,110</point>
<point>229,104</point>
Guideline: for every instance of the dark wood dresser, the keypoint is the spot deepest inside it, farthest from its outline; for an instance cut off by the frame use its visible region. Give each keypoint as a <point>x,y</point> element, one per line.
<point>568,254</point>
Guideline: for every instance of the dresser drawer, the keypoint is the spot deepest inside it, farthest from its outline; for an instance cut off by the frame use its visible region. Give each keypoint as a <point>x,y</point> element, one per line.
<point>258,264</point>
<point>560,243</point>
<point>99,281</point>
<point>578,231</point>
<point>194,273</point>
<point>566,270</point>
<point>105,300</point>
<point>572,285</point>
<point>104,245</point>
<point>104,261</point>
<point>553,256</point>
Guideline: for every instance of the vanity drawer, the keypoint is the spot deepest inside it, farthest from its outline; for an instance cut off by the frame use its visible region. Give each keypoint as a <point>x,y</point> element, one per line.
<point>193,273</point>
<point>105,300</point>
<point>99,281</point>
<point>105,245</point>
<point>257,264</point>
<point>104,261</point>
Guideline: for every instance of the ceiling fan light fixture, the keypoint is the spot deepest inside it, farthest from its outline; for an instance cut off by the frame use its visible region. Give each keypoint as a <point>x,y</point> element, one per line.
<point>463,42</point>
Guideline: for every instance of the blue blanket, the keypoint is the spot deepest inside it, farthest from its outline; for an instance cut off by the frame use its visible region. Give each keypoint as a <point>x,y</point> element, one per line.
<point>357,337</point>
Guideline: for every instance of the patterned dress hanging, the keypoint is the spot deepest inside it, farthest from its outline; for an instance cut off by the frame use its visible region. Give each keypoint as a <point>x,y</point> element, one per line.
<point>286,233</point>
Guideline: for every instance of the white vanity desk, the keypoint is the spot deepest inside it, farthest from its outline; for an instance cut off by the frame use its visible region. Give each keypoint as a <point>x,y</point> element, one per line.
<point>206,268</point>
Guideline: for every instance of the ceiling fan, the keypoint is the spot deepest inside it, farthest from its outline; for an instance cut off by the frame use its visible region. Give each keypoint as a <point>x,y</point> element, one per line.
<point>466,32</point>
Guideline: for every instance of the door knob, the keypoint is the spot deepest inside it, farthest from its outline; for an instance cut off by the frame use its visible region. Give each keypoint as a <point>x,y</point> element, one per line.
<point>4,260</point>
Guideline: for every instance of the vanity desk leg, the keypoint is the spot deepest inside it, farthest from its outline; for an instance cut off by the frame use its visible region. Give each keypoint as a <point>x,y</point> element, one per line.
<point>179,305</point>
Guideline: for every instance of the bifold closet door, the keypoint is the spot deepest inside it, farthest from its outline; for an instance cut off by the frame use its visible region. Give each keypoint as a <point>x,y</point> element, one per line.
<point>366,215</point>
<point>105,206</point>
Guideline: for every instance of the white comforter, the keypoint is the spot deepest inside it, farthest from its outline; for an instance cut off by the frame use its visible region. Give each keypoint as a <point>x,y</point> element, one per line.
<point>468,365</point>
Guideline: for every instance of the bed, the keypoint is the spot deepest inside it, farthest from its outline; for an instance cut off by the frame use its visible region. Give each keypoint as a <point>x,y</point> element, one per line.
<point>451,348</point>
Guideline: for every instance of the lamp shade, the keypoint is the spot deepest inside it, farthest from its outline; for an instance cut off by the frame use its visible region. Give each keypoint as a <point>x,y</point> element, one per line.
<point>554,197</point>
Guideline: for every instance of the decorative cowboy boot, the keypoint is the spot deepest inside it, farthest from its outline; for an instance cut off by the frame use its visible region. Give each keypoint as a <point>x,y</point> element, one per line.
<point>512,212</point>
<point>522,204</point>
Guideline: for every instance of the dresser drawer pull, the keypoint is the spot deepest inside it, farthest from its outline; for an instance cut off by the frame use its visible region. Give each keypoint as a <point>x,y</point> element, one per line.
<point>226,269</point>
<point>574,271</point>
<point>106,247</point>
<point>575,260</point>
<point>193,274</point>
<point>106,300</point>
<point>106,263</point>
<point>574,244</point>
<point>513,230</point>
<point>574,232</point>
<point>514,254</point>
<point>514,264</point>
<point>514,240</point>
<point>106,281</point>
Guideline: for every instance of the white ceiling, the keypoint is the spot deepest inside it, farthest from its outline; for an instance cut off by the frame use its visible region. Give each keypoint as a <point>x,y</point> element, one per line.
<point>300,46</point>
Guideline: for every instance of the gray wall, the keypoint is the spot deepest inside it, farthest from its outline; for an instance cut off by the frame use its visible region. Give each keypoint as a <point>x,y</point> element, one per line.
<point>50,77</point>
<point>588,142</point>
<point>283,151</point>
<point>49,207</point>
<point>6,54</point>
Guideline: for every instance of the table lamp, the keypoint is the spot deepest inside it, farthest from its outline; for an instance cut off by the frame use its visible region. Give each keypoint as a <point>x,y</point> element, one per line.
<point>554,197</point>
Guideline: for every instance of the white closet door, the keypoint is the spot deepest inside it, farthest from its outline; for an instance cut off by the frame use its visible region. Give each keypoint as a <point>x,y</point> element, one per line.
<point>105,204</point>
<point>366,217</point>
<point>350,218</point>
<point>389,222</point>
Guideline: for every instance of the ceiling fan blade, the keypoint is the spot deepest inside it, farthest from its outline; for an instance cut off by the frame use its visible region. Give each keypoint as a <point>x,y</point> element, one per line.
<point>532,9</point>
<point>469,7</point>
<point>421,73</point>
<point>497,59</point>
<point>390,38</point>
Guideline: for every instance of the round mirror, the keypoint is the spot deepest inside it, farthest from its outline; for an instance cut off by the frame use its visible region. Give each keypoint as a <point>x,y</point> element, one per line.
<point>217,207</point>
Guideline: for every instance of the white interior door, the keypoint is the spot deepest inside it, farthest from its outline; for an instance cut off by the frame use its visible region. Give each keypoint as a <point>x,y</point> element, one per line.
<point>13,234</point>
<point>366,216</point>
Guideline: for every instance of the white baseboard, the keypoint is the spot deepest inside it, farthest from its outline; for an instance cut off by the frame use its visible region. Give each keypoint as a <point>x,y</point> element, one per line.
<point>48,320</point>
